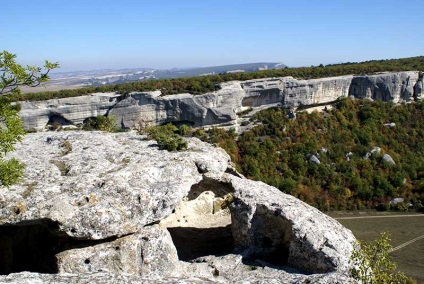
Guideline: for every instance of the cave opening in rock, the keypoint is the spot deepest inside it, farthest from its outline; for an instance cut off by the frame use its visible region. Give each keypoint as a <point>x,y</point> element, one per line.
<point>56,121</point>
<point>192,242</point>
<point>33,245</point>
<point>180,123</point>
<point>271,236</point>
<point>218,188</point>
<point>201,224</point>
<point>29,246</point>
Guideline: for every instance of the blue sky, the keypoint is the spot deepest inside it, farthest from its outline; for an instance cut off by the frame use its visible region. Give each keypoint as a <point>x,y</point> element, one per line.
<point>96,34</point>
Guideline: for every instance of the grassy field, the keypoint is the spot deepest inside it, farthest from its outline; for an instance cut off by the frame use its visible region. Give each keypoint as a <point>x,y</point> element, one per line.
<point>402,227</point>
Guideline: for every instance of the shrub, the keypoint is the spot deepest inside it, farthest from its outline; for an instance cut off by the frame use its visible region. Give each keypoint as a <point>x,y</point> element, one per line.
<point>185,129</point>
<point>11,131</point>
<point>373,264</point>
<point>166,137</point>
<point>11,171</point>
<point>100,122</point>
<point>66,147</point>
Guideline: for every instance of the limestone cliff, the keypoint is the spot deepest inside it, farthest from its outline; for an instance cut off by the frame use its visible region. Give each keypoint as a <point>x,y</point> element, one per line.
<point>113,208</point>
<point>220,108</point>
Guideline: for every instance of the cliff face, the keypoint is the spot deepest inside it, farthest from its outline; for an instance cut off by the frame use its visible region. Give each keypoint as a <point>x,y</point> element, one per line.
<point>220,108</point>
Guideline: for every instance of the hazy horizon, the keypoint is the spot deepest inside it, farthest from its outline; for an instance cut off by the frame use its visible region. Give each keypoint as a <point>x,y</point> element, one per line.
<point>92,35</point>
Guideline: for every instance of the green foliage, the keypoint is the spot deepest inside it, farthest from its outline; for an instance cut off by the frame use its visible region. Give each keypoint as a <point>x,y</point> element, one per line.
<point>11,171</point>
<point>100,122</point>
<point>167,137</point>
<point>185,129</point>
<point>11,131</point>
<point>373,264</point>
<point>204,84</point>
<point>14,75</point>
<point>277,152</point>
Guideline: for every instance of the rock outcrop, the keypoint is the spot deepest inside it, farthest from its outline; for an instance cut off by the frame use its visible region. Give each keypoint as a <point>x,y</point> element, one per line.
<point>116,209</point>
<point>220,108</point>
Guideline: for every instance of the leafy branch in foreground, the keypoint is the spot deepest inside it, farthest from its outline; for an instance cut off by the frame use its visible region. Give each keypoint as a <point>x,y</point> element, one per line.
<point>14,75</point>
<point>374,265</point>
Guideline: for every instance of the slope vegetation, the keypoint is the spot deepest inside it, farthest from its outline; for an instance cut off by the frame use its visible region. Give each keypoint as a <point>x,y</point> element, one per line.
<point>360,154</point>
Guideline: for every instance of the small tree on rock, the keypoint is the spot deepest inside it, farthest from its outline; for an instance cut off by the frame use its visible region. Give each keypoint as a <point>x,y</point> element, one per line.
<point>13,76</point>
<point>373,264</point>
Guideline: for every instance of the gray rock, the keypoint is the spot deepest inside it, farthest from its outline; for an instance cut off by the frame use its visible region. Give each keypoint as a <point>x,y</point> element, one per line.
<point>391,124</point>
<point>91,215</point>
<point>67,110</point>
<point>388,86</point>
<point>106,278</point>
<point>314,159</point>
<point>282,230</point>
<point>108,185</point>
<point>418,89</point>
<point>374,150</point>
<point>388,159</point>
<point>148,253</point>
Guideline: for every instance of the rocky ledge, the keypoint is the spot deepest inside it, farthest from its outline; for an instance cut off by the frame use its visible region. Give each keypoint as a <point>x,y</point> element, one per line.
<point>221,108</point>
<point>112,208</point>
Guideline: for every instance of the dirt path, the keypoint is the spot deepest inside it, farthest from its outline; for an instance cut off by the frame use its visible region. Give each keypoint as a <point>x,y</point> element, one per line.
<point>407,243</point>
<point>370,217</point>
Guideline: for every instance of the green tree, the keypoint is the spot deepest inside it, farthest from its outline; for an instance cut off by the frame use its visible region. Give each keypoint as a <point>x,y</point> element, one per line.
<point>13,76</point>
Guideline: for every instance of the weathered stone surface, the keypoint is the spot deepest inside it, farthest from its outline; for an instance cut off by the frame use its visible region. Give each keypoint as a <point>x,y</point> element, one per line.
<point>72,111</point>
<point>220,107</point>
<point>148,253</point>
<point>316,91</point>
<point>108,185</point>
<point>386,87</point>
<point>104,278</point>
<point>282,230</point>
<point>419,89</point>
<point>208,109</point>
<point>90,215</point>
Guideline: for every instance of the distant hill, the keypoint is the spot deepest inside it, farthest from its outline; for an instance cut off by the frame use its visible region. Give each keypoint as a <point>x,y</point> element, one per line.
<point>95,78</point>
<point>202,71</point>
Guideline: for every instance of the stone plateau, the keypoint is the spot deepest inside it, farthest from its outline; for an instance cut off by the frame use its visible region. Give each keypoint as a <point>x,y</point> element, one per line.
<point>112,208</point>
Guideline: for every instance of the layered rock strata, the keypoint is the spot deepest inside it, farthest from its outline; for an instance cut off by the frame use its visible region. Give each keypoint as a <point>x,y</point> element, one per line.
<point>220,108</point>
<point>114,208</point>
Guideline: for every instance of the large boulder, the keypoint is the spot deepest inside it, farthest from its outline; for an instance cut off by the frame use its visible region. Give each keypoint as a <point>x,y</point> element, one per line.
<point>95,207</point>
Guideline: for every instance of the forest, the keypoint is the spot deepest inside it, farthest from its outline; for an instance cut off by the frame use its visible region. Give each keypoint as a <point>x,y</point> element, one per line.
<point>349,142</point>
<point>204,84</point>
